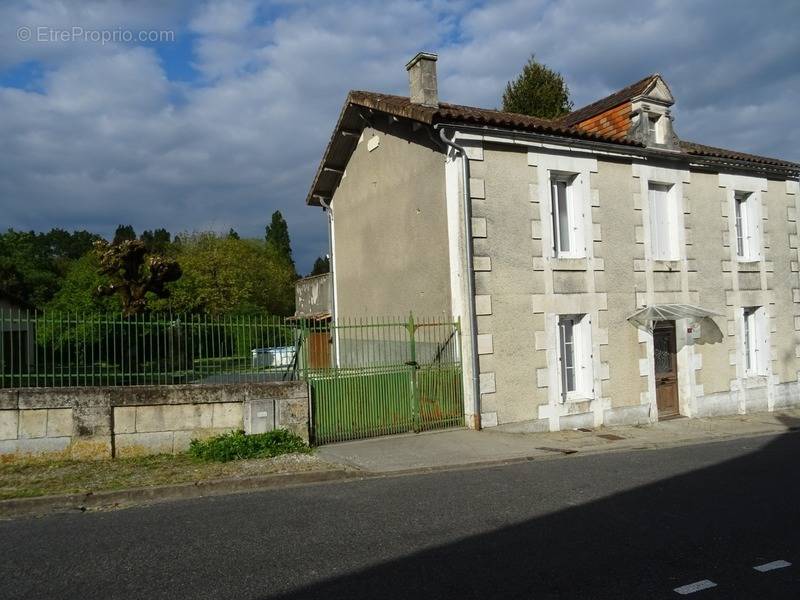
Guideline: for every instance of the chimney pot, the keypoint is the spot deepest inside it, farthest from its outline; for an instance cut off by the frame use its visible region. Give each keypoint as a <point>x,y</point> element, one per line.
<point>422,79</point>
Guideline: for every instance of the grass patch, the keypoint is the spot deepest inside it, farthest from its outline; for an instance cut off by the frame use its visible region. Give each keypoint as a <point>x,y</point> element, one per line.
<point>237,446</point>
<point>30,477</point>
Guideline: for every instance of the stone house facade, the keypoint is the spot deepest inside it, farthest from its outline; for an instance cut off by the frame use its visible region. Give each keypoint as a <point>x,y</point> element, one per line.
<point>571,226</point>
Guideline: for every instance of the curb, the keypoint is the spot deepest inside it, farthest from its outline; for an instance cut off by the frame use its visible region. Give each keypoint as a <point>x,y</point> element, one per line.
<point>108,500</point>
<point>41,505</point>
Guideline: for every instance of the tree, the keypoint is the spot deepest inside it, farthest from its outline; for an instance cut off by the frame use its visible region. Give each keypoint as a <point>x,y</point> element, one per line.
<point>28,273</point>
<point>123,233</point>
<point>156,241</point>
<point>76,292</point>
<point>277,238</point>
<point>321,265</point>
<point>134,274</point>
<point>232,235</point>
<point>224,275</point>
<point>33,265</point>
<point>538,92</point>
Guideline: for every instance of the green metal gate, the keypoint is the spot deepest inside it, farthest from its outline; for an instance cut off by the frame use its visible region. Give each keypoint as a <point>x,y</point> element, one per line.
<point>386,376</point>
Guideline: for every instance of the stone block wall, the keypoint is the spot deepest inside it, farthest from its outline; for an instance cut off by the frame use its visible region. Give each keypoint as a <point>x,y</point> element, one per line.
<point>127,421</point>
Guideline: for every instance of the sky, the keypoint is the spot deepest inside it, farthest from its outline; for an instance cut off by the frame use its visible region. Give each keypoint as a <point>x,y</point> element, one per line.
<point>211,115</point>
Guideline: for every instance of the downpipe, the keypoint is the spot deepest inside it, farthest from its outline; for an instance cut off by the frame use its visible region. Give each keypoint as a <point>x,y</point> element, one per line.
<point>331,265</point>
<point>468,255</point>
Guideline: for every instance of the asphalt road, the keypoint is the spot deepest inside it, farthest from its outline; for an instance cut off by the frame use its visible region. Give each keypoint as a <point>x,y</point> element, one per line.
<point>621,525</point>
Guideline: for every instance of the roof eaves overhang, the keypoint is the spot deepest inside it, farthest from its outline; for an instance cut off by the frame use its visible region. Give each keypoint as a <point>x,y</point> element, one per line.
<point>717,163</point>
<point>626,148</point>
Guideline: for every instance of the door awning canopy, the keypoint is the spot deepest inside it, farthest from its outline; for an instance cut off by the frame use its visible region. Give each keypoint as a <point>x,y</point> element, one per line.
<point>704,329</point>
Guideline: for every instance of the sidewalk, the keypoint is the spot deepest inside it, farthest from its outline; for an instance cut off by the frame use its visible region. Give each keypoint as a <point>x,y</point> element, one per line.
<point>462,447</point>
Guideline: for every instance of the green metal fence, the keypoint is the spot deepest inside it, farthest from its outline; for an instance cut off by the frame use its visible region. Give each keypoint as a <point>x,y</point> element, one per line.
<point>383,376</point>
<point>69,349</point>
<point>367,377</point>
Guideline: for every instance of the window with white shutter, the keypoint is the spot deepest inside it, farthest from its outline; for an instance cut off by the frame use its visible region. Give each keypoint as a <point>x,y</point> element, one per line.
<point>566,207</point>
<point>747,226</point>
<point>663,222</point>
<point>755,341</point>
<point>575,356</point>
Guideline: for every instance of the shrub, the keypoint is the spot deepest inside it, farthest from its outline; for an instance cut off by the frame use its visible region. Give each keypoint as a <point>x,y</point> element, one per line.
<point>236,445</point>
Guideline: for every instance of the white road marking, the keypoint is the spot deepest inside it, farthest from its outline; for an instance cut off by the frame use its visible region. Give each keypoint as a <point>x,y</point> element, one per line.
<point>697,586</point>
<point>771,566</point>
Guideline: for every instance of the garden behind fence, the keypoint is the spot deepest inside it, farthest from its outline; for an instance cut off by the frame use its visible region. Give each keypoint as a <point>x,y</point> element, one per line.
<point>69,349</point>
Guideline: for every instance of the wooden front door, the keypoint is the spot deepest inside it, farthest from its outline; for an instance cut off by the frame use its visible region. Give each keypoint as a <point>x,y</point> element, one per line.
<point>666,369</point>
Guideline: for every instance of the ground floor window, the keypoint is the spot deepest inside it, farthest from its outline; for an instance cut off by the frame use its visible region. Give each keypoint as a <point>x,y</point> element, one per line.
<point>755,346</point>
<point>575,356</point>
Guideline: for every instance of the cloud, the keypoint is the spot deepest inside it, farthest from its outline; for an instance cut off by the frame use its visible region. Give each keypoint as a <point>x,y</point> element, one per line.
<point>103,135</point>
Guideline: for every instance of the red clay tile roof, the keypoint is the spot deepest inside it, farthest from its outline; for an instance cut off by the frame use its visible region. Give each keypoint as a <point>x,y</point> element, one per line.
<point>610,101</point>
<point>696,149</point>
<point>456,113</point>
<point>340,146</point>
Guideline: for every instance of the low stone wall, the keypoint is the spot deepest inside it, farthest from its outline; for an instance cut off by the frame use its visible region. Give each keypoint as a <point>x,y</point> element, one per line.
<point>126,421</point>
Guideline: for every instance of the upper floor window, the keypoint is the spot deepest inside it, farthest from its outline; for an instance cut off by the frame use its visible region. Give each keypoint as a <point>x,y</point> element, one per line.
<point>575,356</point>
<point>746,225</point>
<point>663,222</point>
<point>567,212</point>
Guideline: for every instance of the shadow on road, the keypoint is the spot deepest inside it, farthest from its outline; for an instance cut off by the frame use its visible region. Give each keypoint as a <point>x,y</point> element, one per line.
<point>714,523</point>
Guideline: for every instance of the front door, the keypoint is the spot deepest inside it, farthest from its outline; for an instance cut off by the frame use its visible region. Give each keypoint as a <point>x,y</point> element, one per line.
<point>666,369</point>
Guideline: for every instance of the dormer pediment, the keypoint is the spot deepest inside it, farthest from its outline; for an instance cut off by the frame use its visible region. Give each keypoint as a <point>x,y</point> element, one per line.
<point>658,91</point>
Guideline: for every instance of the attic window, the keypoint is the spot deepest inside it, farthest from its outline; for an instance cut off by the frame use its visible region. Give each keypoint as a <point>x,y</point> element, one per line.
<point>655,128</point>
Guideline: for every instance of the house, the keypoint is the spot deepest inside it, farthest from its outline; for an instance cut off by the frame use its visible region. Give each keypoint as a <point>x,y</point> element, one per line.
<point>605,270</point>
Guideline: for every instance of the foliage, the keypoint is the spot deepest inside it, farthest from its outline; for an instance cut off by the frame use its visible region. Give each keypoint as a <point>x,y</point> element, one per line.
<point>157,241</point>
<point>277,239</point>
<point>124,233</point>
<point>538,92</point>
<point>236,446</point>
<point>226,275</point>
<point>321,266</point>
<point>33,265</point>
<point>134,274</point>
<point>75,294</point>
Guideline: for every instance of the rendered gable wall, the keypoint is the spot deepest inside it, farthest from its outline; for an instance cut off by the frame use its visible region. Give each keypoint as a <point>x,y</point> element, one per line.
<point>390,226</point>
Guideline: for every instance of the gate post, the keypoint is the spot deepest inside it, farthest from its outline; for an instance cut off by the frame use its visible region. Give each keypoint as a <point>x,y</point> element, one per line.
<point>415,408</point>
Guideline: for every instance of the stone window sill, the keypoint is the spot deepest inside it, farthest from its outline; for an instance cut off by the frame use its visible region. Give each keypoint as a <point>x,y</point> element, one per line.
<point>755,381</point>
<point>666,266</point>
<point>748,266</point>
<point>569,264</point>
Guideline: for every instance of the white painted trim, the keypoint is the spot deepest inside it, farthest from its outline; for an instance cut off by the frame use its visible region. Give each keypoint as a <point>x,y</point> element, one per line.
<point>550,165</point>
<point>458,270</point>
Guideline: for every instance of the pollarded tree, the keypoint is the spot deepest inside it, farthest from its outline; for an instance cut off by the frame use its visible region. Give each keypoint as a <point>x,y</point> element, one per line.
<point>134,274</point>
<point>538,92</point>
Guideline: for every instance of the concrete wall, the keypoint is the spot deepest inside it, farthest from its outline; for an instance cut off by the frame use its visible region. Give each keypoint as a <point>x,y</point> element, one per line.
<point>390,231</point>
<point>106,422</point>
<point>313,296</point>
<point>521,288</point>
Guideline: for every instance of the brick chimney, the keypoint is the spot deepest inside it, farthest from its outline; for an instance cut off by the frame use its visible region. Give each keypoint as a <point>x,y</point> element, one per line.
<point>422,79</point>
